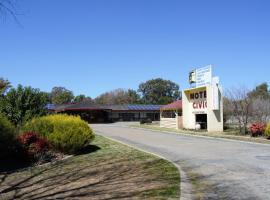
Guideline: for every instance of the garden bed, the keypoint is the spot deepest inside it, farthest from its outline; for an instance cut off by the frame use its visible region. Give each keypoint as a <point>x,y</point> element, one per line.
<point>106,170</point>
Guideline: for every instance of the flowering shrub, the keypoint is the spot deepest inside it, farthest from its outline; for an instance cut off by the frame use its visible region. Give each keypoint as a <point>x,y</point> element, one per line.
<point>67,134</point>
<point>41,145</point>
<point>34,146</point>
<point>257,129</point>
<point>26,139</point>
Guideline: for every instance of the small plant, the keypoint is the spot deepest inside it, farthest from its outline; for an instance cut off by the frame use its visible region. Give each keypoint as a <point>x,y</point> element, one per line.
<point>34,146</point>
<point>257,129</point>
<point>267,131</point>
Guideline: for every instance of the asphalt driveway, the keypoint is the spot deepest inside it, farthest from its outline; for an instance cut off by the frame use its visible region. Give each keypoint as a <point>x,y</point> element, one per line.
<point>233,169</point>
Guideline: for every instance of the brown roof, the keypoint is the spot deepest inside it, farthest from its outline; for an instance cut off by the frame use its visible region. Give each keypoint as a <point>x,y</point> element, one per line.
<point>176,105</point>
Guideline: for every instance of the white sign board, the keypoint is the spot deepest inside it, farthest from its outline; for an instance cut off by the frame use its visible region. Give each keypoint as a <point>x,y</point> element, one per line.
<point>204,76</point>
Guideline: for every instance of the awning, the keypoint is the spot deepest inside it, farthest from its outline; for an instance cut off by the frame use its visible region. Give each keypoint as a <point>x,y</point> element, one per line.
<point>176,105</point>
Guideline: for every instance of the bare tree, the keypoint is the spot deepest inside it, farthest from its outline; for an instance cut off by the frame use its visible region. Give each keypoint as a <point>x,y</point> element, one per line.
<point>241,106</point>
<point>8,7</point>
<point>119,96</point>
<point>261,109</point>
<point>227,111</point>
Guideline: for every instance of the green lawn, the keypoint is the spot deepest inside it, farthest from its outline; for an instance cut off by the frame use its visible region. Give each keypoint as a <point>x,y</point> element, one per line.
<point>110,171</point>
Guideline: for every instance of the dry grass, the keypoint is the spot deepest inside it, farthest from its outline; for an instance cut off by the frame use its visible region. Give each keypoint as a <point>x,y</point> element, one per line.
<point>112,171</point>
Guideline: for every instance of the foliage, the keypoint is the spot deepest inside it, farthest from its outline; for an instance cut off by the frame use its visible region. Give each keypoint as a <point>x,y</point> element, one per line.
<point>41,125</point>
<point>61,95</point>
<point>267,130</point>
<point>4,86</point>
<point>35,147</point>
<point>68,134</point>
<point>261,91</point>
<point>33,143</point>
<point>133,97</point>
<point>159,91</point>
<point>81,98</point>
<point>119,96</point>
<point>257,129</point>
<point>23,103</point>
<point>7,136</point>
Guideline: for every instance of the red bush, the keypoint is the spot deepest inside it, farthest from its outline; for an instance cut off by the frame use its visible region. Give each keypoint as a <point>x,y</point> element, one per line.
<point>27,138</point>
<point>257,129</point>
<point>33,144</point>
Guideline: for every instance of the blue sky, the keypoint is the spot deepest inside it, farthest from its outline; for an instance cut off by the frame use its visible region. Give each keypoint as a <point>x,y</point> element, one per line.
<point>92,46</point>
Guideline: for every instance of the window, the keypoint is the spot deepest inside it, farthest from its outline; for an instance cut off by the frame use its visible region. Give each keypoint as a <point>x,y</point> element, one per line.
<point>168,114</point>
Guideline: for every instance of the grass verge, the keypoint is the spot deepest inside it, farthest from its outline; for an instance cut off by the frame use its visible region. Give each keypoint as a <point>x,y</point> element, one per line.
<point>225,135</point>
<point>109,170</point>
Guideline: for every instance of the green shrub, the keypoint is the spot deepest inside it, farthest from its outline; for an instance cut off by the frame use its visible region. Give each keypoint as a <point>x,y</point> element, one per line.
<point>41,125</point>
<point>7,137</point>
<point>68,134</point>
<point>267,131</point>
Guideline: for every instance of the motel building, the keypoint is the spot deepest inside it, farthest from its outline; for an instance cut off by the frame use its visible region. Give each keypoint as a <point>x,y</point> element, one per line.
<point>94,113</point>
<point>201,106</point>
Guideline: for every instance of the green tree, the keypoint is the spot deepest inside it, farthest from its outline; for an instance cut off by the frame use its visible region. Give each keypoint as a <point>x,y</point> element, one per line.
<point>261,91</point>
<point>23,103</point>
<point>82,97</point>
<point>119,96</point>
<point>4,86</point>
<point>159,91</point>
<point>133,97</point>
<point>260,103</point>
<point>61,95</point>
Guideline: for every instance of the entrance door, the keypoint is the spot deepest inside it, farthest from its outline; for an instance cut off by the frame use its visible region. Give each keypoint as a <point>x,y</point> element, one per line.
<point>202,120</point>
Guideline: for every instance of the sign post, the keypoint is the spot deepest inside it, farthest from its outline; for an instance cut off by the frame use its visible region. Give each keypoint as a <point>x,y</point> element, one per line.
<point>202,104</point>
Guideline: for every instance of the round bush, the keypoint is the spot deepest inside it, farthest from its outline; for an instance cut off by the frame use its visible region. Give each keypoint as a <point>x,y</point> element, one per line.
<point>7,136</point>
<point>257,129</point>
<point>35,147</point>
<point>41,125</point>
<point>68,134</point>
<point>267,131</point>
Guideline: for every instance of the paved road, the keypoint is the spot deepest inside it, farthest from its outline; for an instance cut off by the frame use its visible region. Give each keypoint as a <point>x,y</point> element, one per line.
<point>236,170</point>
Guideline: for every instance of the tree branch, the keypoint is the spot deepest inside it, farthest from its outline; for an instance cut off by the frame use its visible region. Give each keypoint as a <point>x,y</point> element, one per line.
<point>7,7</point>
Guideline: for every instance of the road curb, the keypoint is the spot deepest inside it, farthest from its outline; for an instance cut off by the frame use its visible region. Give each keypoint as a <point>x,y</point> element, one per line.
<point>185,184</point>
<point>200,136</point>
